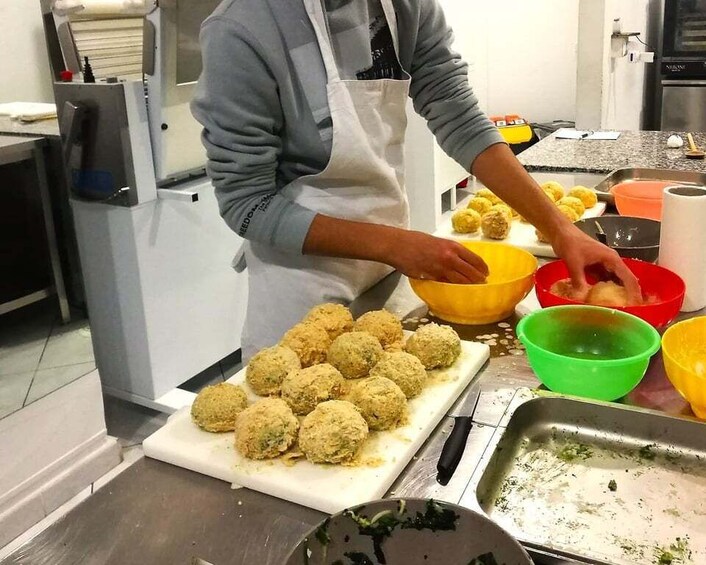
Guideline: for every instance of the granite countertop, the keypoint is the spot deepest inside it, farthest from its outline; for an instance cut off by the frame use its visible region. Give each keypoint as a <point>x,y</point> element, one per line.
<point>646,149</point>
<point>43,128</point>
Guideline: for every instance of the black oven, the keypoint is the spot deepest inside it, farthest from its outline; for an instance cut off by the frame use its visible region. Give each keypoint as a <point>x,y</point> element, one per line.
<point>684,39</point>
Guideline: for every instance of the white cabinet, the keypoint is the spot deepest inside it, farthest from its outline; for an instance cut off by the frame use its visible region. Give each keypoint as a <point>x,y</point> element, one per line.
<point>431,175</point>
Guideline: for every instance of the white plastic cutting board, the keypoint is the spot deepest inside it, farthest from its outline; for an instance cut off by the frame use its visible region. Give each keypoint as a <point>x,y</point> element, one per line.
<point>329,488</point>
<point>521,234</point>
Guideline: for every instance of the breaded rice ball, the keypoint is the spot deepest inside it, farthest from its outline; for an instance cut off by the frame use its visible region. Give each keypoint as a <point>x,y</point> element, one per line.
<point>505,209</point>
<point>336,319</point>
<point>403,369</point>
<point>382,324</point>
<point>568,212</point>
<point>397,346</point>
<point>550,194</point>
<point>488,195</point>
<point>555,188</point>
<point>333,432</point>
<point>266,429</point>
<point>574,203</point>
<point>305,388</point>
<point>435,346</point>
<point>585,195</point>
<point>480,205</point>
<point>495,224</point>
<point>268,367</point>
<point>607,293</point>
<point>309,341</point>
<point>354,354</point>
<point>541,237</point>
<point>465,221</point>
<point>216,407</point>
<point>382,402</point>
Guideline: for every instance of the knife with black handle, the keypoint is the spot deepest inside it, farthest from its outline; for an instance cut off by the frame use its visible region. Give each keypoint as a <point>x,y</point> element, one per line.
<point>455,444</point>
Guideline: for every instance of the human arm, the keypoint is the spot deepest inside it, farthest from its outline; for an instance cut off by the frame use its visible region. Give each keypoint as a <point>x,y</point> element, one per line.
<point>443,96</point>
<point>415,254</point>
<point>499,170</point>
<point>239,107</point>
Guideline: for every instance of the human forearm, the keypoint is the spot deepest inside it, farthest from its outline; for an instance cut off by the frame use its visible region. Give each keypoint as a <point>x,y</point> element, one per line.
<point>334,237</point>
<point>499,170</point>
<point>416,254</point>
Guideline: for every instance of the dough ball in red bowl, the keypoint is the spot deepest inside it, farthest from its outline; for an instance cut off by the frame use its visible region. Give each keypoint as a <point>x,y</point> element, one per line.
<point>662,289</point>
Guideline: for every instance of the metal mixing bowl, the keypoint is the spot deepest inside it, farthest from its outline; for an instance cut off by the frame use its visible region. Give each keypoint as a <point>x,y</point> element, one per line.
<point>408,532</point>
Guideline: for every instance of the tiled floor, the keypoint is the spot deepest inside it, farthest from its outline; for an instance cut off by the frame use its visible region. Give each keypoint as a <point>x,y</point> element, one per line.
<point>50,355</point>
<point>38,354</point>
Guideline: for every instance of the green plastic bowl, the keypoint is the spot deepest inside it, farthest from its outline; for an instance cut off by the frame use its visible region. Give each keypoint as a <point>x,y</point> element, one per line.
<point>588,351</point>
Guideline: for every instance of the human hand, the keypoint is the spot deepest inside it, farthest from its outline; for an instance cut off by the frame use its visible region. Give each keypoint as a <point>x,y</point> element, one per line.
<point>580,252</point>
<point>422,256</point>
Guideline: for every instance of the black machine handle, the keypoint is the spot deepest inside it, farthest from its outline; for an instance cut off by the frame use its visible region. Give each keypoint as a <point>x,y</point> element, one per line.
<point>453,449</point>
<point>72,123</point>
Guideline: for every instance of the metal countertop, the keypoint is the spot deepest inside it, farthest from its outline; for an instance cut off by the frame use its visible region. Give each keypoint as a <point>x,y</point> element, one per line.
<point>43,128</point>
<point>155,513</point>
<point>14,148</point>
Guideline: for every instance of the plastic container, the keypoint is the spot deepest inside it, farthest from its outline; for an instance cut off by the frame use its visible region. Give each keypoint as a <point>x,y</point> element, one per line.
<point>588,351</point>
<point>684,352</point>
<point>642,199</point>
<point>665,286</point>
<point>510,280</point>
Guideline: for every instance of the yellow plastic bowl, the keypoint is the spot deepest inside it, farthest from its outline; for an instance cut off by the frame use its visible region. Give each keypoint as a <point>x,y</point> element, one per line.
<point>684,352</point>
<point>510,280</point>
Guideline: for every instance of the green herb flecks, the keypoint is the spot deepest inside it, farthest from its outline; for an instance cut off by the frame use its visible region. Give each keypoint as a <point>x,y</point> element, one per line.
<point>647,452</point>
<point>572,451</point>
<point>677,552</point>
<point>435,518</point>
<point>381,526</point>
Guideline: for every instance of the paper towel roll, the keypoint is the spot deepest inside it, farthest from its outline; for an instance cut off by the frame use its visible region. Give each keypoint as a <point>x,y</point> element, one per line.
<point>682,247</point>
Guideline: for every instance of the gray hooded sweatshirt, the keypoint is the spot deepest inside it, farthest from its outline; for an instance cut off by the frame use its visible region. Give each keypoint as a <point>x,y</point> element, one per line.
<point>261,99</point>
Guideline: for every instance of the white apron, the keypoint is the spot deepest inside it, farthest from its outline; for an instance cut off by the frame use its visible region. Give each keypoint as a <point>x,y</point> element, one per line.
<point>362,181</point>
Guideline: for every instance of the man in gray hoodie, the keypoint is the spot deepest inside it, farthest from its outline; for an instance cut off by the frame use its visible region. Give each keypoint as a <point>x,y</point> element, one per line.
<point>302,103</point>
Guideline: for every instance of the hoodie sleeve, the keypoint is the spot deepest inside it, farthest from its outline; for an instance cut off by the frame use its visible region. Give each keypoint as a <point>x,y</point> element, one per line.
<point>241,114</point>
<point>441,92</point>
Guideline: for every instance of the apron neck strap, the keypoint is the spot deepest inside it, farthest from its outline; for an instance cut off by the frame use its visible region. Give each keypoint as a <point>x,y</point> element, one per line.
<point>315,10</point>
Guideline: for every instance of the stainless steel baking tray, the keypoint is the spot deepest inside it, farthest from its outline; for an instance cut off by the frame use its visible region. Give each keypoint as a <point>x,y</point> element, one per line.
<point>597,483</point>
<point>638,174</point>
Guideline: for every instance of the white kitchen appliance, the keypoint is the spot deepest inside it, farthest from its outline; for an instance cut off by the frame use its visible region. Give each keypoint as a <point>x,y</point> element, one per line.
<point>164,303</point>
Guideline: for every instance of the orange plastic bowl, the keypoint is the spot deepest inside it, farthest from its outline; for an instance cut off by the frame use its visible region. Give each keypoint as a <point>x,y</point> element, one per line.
<point>642,199</point>
<point>684,352</point>
<point>510,280</point>
<point>666,286</point>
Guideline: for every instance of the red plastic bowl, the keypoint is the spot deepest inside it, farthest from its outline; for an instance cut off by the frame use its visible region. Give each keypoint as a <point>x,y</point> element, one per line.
<point>656,281</point>
<point>642,199</point>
